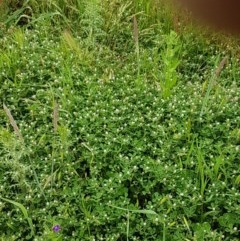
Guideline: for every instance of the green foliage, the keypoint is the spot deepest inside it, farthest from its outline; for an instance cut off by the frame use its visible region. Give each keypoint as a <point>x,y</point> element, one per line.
<point>170,61</point>
<point>103,158</point>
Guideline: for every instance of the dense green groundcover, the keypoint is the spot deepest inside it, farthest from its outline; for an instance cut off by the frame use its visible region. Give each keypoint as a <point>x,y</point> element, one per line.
<point>103,152</point>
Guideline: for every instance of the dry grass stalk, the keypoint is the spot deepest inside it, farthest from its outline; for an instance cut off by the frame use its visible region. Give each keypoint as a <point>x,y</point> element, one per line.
<point>13,123</point>
<point>176,25</point>
<point>135,29</point>
<point>220,68</point>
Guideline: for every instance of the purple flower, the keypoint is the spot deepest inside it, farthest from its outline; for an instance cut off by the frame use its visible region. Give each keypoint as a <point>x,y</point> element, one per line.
<point>56,228</point>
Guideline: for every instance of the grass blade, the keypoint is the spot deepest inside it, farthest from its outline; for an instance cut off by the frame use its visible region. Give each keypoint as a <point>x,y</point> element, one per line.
<point>55,116</point>
<point>136,41</point>
<point>144,211</point>
<point>24,212</point>
<point>212,83</point>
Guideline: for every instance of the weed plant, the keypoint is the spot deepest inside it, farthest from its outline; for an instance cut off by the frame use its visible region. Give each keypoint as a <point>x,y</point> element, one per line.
<point>89,153</point>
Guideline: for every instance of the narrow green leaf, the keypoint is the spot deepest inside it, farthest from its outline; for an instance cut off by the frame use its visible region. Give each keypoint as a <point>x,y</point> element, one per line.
<point>24,212</point>
<point>144,211</point>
